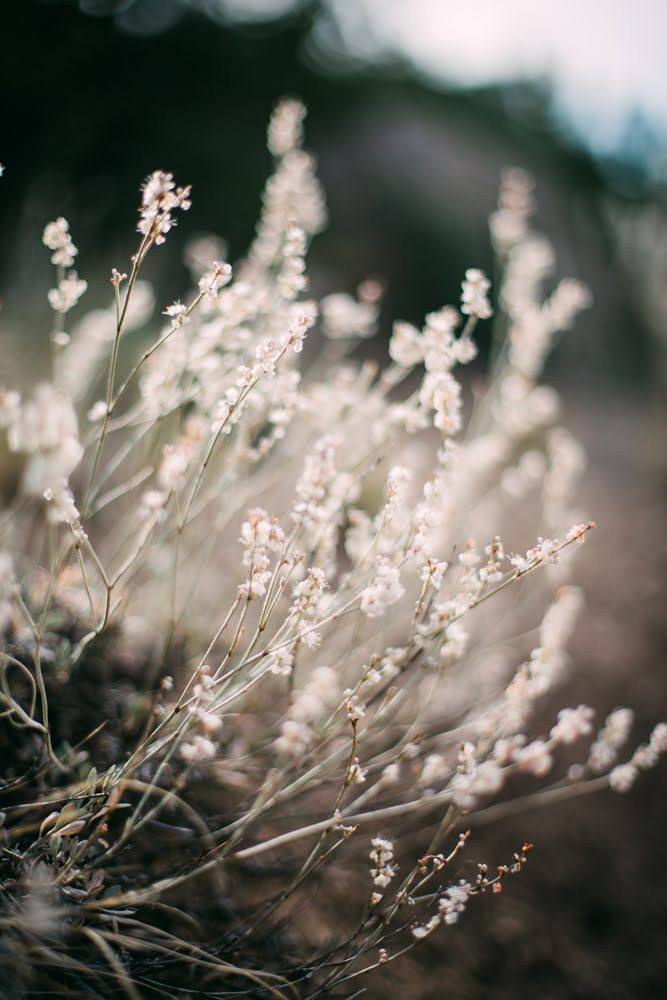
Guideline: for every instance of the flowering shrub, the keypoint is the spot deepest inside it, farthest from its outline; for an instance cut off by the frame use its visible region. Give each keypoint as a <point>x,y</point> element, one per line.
<point>260,616</point>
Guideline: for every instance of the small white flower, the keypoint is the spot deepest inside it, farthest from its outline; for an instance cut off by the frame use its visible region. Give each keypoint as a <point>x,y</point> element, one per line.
<point>391,773</point>
<point>405,346</point>
<point>343,316</point>
<point>159,198</point>
<point>286,127</point>
<point>474,294</point>
<point>572,724</point>
<point>152,505</point>
<point>385,590</point>
<point>610,739</point>
<point>382,856</point>
<point>659,738</point>
<point>454,643</point>
<point>46,429</point>
<point>295,738</point>
<point>213,280</point>
<point>434,771</point>
<point>280,662</point>
<point>535,758</point>
<point>97,411</point>
<point>622,778</point>
<point>454,902</point>
<point>67,294</point>
<point>57,237</point>
<point>210,723</point>
<point>198,750</point>
<point>433,572</point>
<point>178,313</point>
<point>356,774</point>
<point>419,933</point>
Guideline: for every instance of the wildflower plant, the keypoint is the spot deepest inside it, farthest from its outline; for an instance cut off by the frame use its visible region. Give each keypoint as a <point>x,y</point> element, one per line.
<point>259,611</point>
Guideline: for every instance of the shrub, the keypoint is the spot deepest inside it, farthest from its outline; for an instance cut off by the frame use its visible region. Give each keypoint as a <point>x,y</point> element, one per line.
<point>261,628</point>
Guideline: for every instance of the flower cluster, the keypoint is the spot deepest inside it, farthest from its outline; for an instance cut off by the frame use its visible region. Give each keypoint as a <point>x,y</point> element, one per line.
<point>474,294</point>
<point>573,723</point>
<point>57,237</point>
<point>646,756</point>
<point>343,316</point>
<point>386,589</point>
<point>516,204</point>
<point>67,294</point>
<point>610,739</point>
<point>45,428</point>
<point>260,535</point>
<point>384,867</point>
<point>159,199</point>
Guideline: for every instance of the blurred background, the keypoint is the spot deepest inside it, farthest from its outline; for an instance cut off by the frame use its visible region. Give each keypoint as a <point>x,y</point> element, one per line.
<point>414,108</point>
